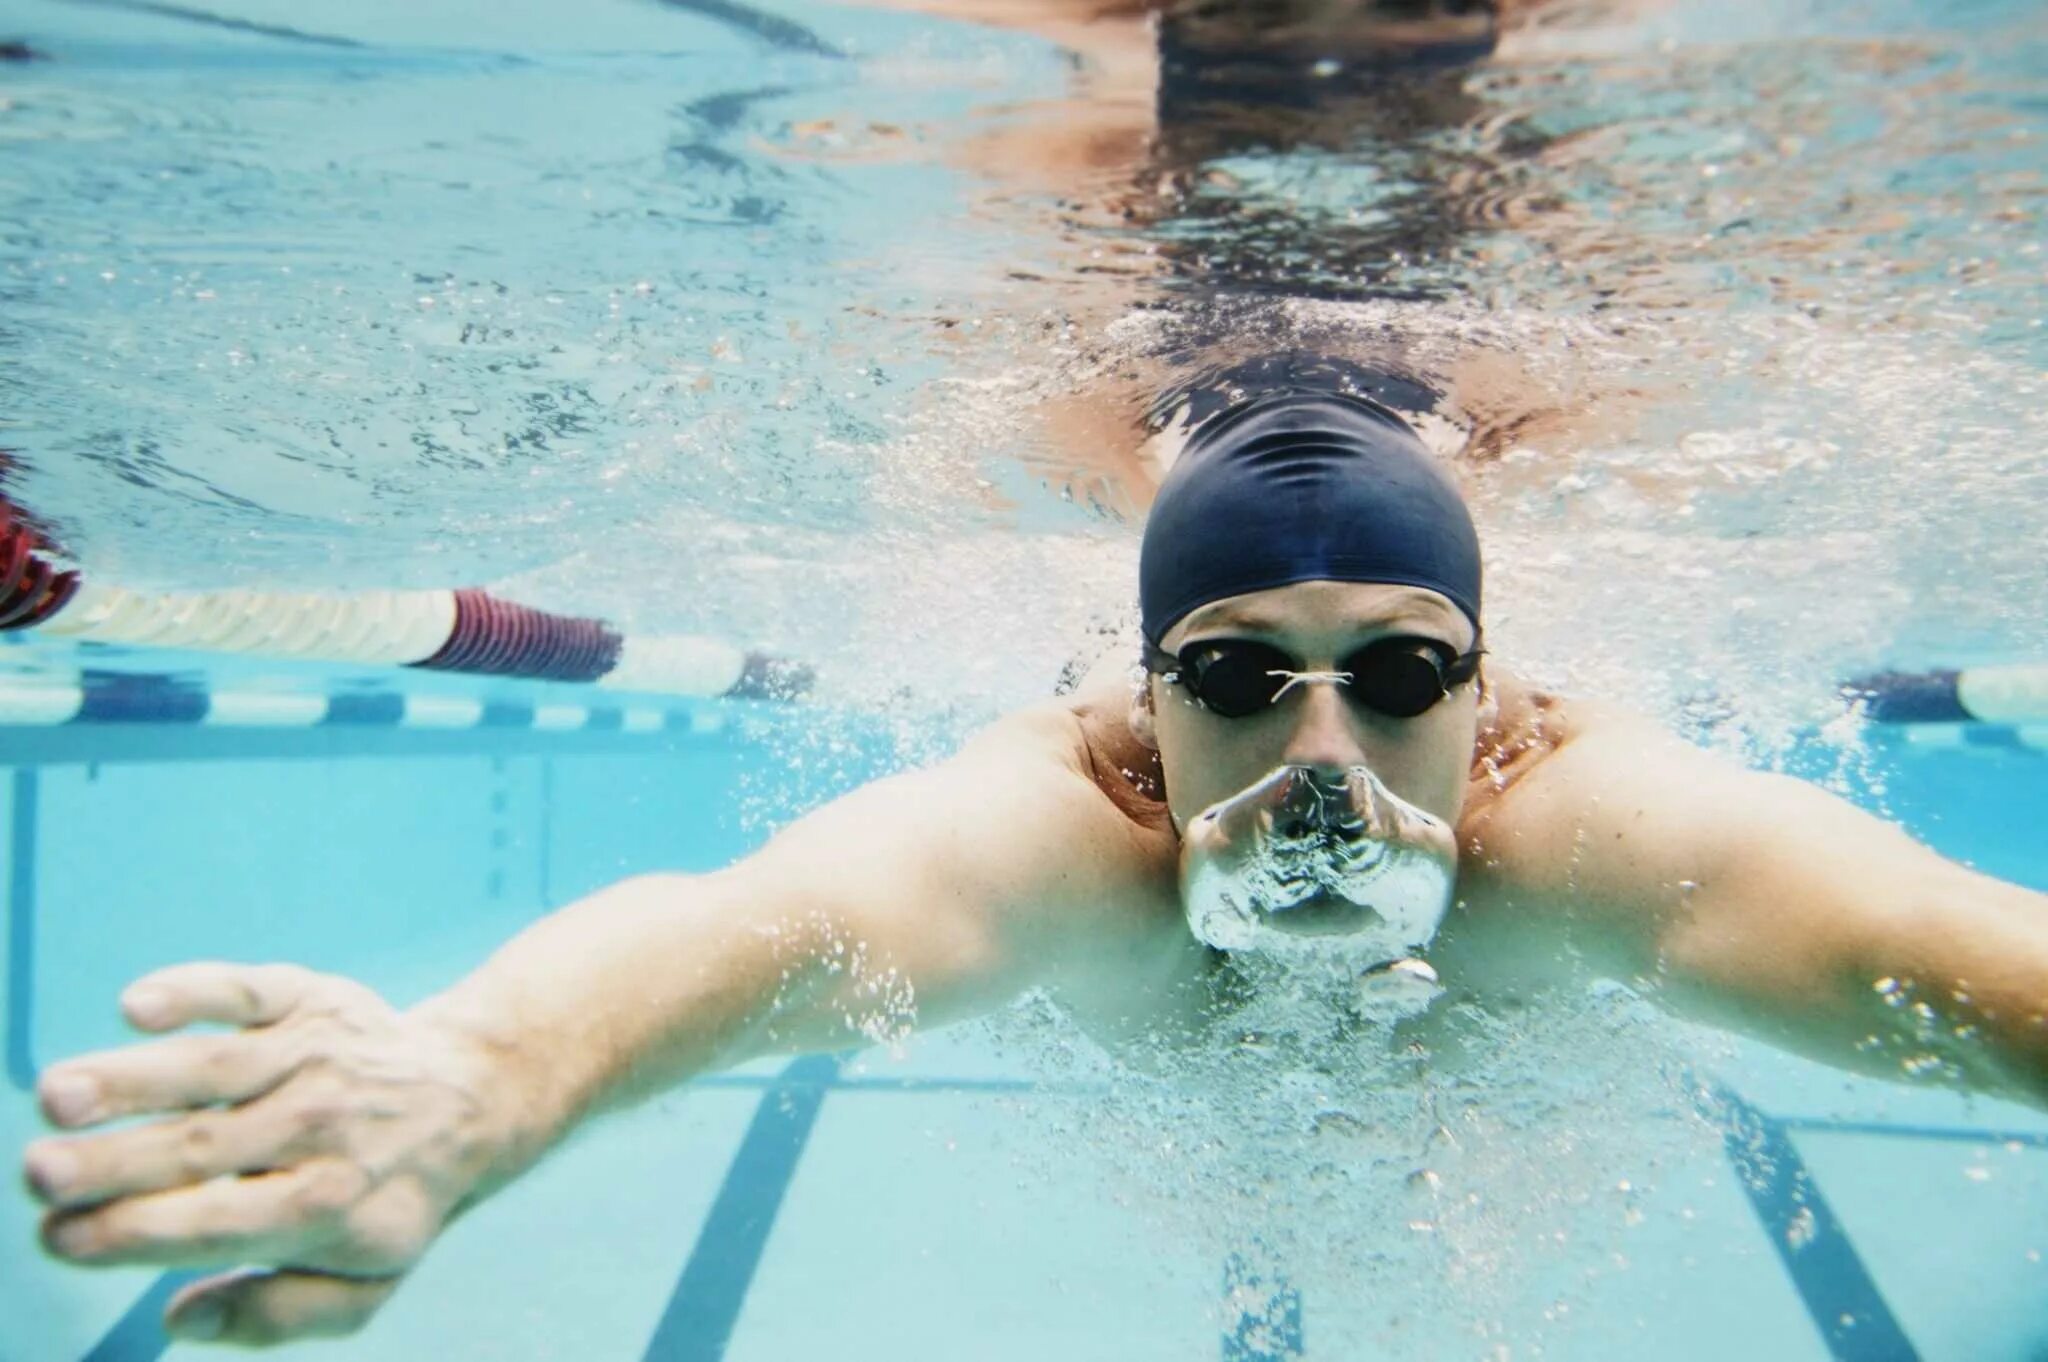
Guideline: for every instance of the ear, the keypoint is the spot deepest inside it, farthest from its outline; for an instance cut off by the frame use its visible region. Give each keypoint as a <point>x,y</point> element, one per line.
<point>1142,719</point>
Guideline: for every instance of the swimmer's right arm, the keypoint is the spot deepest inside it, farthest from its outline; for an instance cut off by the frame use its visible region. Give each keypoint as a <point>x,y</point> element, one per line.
<point>923,898</point>
<point>358,1130</point>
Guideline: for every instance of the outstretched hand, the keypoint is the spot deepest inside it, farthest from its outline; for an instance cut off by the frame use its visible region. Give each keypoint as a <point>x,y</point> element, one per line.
<point>326,1141</point>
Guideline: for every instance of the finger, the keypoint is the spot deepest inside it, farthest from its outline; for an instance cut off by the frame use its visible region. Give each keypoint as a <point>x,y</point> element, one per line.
<point>257,1308</point>
<point>166,1154</point>
<point>272,1217</point>
<point>215,991</point>
<point>165,1075</point>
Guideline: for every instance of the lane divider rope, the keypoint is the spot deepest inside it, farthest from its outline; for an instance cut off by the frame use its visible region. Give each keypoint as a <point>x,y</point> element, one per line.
<point>2014,694</point>
<point>106,697</point>
<point>462,630</point>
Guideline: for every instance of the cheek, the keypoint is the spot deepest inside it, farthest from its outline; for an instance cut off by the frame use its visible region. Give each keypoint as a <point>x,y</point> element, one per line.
<point>1429,761</point>
<point>1203,759</point>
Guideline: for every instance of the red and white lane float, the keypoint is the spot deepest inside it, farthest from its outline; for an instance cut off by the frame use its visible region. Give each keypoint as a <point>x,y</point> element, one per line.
<point>31,590</point>
<point>463,630</point>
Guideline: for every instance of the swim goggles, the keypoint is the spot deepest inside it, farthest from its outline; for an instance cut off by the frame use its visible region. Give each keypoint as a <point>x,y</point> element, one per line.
<point>1400,677</point>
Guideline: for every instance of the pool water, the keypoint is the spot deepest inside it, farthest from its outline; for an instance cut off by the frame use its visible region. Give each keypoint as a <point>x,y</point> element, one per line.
<point>716,318</point>
<point>951,1197</point>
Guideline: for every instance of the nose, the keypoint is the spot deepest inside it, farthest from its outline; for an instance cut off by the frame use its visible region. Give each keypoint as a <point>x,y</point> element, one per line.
<point>1323,737</point>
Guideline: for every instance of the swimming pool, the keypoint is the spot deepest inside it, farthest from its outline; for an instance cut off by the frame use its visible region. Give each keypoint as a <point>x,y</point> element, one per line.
<point>250,258</point>
<point>954,1197</point>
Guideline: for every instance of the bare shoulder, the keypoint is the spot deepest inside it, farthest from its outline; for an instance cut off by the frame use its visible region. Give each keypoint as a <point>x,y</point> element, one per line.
<point>1556,836</point>
<point>1093,866</point>
<point>1602,824</point>
<point>1526,731</point>
<point>1091,789</point>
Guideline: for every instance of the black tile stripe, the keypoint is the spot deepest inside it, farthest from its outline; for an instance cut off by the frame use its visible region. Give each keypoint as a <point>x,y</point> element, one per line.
<point>2032,1139</point>
<point>698,1322</point>
<point>772,29</point>
<point>197,16</point>
<point>138,1336</point>
<point>1840,1296</point>
<point>1271,1334</point>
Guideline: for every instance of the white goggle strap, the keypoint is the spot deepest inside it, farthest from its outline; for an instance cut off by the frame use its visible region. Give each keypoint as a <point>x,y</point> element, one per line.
<point>1307,678</point>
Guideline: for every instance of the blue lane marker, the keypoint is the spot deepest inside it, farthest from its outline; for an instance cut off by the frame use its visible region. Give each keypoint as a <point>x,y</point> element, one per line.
<point>234,25</point>
<point>21,931</point>
<point>1841,1297</point>
<point>506,714</point>
<point>138,1336</point>
<point>122,698</point>
<point>385,708</point>
<point>772,29</point>
<point>1264,1317</point>
<point>698,1322</point>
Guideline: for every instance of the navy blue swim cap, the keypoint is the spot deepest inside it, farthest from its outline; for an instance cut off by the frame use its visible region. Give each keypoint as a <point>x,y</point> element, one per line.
<point>1303,487</point>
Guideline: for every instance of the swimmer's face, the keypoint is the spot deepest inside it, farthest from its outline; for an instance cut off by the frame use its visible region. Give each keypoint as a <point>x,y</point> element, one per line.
<point>1207,757</point>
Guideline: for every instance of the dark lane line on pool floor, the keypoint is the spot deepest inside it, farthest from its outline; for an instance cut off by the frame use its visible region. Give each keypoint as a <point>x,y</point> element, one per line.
<point>225,21</point>
<point>698,1322</point>
<point>138,1336</point>
<point>1820,1125</point>
<point>21,929</point>
<point>772,29</point>
<point>1263,1319</point>
<point>1840,1295</point>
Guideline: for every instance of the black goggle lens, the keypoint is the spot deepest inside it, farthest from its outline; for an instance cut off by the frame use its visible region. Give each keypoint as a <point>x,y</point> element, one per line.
<point>1398,677</point>
<point>1233,678</point>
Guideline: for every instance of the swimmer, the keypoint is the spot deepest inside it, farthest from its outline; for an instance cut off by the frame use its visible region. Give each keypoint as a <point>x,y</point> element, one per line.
<point>1314,682</point>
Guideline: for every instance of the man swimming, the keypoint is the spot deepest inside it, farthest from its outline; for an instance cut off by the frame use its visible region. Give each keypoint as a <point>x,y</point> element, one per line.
<point>1316,734</point>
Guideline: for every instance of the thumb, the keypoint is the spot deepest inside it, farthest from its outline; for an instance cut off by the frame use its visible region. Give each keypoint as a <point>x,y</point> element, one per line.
<point>254,1308</point>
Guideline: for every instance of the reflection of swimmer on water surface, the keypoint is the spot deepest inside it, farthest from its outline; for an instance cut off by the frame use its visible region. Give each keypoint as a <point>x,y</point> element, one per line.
<point>1311,597</point>
<point>1163,95</point>
<point>1168,103</point>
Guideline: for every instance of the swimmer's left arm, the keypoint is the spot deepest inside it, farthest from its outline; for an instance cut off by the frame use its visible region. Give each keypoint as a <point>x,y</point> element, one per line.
<point>1762,903</point>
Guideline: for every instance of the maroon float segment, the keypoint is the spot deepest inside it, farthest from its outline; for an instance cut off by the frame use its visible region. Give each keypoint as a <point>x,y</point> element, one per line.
<point>31,591</point>
<point>504,639</point>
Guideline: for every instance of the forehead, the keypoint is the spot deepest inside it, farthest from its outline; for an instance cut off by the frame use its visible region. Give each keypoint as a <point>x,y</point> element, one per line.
<point>1329,608</point>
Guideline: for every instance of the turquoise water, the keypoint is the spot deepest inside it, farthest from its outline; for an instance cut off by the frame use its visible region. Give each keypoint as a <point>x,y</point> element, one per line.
<point>711,320</point>
<point>955,1197</point>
